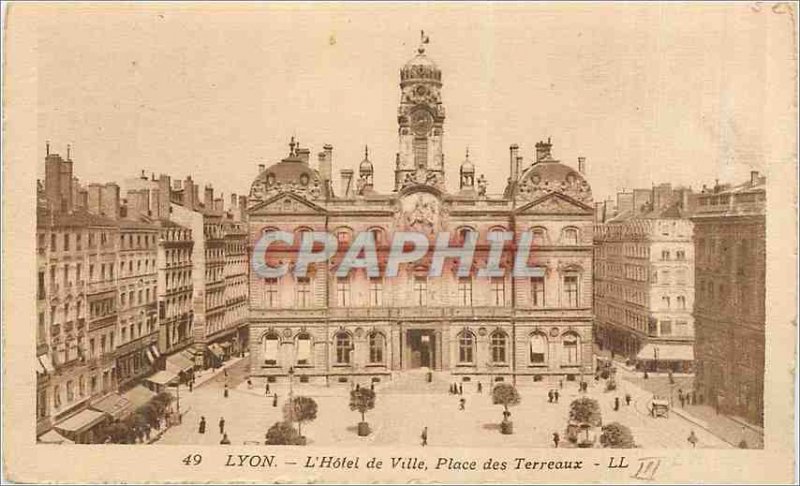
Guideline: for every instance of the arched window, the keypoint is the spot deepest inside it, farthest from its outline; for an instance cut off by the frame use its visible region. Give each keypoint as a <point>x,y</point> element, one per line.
<point>538,351</point>
<point>498,342</point>
<point>569,236</point>
<point>270,344</point>
<point>344,346</point>
<point>377,343</point>
<point>466,347</point>
<point>303,348</point>
<point>571,344</point>
<point>539,236</point>
<point>463,233</point>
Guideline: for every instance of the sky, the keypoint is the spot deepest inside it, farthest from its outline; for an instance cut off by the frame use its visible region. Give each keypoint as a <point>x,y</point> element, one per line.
<point>647,93</point>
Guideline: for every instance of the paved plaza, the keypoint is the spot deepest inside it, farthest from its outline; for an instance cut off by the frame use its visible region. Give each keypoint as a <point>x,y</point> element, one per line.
<point>407,405</point>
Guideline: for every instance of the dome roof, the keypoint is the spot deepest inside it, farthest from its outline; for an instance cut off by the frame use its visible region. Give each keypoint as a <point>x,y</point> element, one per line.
<point>366,165</point>
<point>420,68</point>
<point>552,171</point>
<point>292,172</point>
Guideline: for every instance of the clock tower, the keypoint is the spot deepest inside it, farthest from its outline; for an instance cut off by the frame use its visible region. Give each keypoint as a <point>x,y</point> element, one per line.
<point>420,119</point>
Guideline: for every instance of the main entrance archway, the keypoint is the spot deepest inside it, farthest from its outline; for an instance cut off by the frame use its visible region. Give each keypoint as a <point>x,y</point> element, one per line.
<point>421,346</point>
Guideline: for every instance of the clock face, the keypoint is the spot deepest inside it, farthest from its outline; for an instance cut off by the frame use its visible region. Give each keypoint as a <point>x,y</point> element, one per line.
<point>421,121</point>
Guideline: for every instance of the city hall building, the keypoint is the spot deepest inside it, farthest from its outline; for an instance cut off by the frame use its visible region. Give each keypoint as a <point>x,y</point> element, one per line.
<point>327,329</point>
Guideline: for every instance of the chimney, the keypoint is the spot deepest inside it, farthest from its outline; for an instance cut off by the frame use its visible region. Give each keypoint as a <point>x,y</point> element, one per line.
<point>242,212</point>
<point>543,150</point>
<point>208,197</point>
<point>519,164</point>
<point>753,177</point>
<point>347,182</point>
<point>189,194</point>
<point>138,204</point>
<point>303,154</point>
<point>234,199</point>
<point>513,162</point>
<point>83,199</point>
<point>162,205</point>
<point>109,200</point>
<point>219,205</point>
<point>176,185</point>
<point>261,168</point>
<point>582,165</point>
<point>326,163</point>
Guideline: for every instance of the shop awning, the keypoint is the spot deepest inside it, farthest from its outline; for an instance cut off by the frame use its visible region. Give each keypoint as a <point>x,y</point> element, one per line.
<point>138,396</point>
<point>82,421</point>
<point>163,377</point>
<point>155,351</point>
<point>666,352</point>
<point>113,404</point>
<point>225,345</point>
<point>178,362</point>
<point>53,437</point>
<point>47,363</point>
<point>150,356</point>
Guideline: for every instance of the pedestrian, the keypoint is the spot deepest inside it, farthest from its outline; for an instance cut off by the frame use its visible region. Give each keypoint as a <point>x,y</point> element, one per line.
<point>694,397</point>
<point>225,393</point>
<point>191,385</point>
<point>561,384</point>
<point>147,432</point>
<point>372,386</point>
<point>201,429</point>
<point>556,439</point>
<point>627,399</point>
<point>358,386</point>
<point>225,440</point>
<point>692,439</point>
<point>682,399</point>
<point>225,372</point>
<point>480,387</point>
<point>462,403</point>
<point>556,395</point>
<point>646,376</point>
<point>222,425</point>
<point>550,396</point>
<point>266,390</point>
<point>616,404</point>
<point>275,400</point>
<point>424,436</point>
<point>249,383</point>
<point>460,389</point>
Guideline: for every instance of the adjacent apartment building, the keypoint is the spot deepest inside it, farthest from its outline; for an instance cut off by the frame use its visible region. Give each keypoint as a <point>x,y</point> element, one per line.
<point>644,278</point>
<point>730,240</point>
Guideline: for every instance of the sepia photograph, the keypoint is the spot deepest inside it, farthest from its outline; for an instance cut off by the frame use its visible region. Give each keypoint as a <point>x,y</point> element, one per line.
<point>349,242</point>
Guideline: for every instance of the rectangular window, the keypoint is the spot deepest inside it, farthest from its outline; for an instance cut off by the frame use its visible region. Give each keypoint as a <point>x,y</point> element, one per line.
<point>40,287</point>
<point>571,290</point>
<point>343,291</point>
<point>66,241</point>
<point>271,292</point>
<point>666,328</point>
<point>375,292</point>
<point>681,328</point>
<point>421,290</point>
<point>537,291</point>
<point>303,298</point>
<point>465,291</point>
<point>498,291</point>
<point>303,350</point>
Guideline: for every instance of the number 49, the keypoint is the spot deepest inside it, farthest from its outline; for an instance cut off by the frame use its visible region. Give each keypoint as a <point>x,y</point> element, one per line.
<point>193,460</point>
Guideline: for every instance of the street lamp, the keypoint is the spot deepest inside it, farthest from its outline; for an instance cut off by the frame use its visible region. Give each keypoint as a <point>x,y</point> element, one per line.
<point>291,393</point>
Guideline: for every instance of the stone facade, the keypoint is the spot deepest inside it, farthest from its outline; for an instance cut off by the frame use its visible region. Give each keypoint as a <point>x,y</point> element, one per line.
<point>730,243</point>
<point>330,329</point>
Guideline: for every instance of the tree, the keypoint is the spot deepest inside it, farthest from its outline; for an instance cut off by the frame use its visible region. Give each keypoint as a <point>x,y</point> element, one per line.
<point>282,433</point>
<point>506,395</point>
<point>300,409</point>
<point>617,436</point>
<point>585,411</point>
<point>362,399</point>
